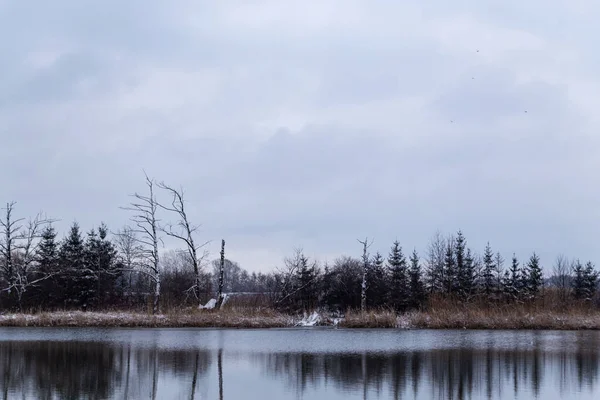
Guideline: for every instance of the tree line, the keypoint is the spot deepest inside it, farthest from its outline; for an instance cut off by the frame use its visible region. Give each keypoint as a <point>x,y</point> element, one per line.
<point>100,270</point>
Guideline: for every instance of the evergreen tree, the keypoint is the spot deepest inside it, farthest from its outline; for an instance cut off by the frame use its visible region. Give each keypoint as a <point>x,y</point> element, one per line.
<point>488,273</point>
<point>377,291</point>
<point>512,280</point>
<point>47,258</point>
<point>109,271</point>
<point>585,281</point>
<point>73,269</point>
<point>460,245</point>
<point>467,276</point>
<point>398,273</point>
<point>533,277</point>
<point>450,275</point>
<point>590,280</point>
<point>578,281</point>
<point>307,283</point>
<point>417,288</point>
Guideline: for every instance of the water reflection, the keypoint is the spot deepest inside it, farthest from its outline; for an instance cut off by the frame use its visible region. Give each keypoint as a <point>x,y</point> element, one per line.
<point>97,369</point>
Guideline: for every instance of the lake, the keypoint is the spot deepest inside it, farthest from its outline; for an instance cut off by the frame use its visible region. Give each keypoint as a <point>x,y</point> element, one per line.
<point>312,363</point>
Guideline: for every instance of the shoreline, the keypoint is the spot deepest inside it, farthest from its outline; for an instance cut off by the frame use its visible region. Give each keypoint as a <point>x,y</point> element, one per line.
<point>262,319</point>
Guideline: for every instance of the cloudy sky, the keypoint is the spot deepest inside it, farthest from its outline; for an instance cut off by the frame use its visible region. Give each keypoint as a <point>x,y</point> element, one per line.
<point>310,124</point>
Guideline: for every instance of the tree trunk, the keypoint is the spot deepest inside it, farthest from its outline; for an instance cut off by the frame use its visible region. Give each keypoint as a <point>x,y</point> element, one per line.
<point>221,273</point>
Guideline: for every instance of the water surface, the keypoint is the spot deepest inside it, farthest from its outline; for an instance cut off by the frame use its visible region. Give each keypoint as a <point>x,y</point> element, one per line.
<point>84,363</point>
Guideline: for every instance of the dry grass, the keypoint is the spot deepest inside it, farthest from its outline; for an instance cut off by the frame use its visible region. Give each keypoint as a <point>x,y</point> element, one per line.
<point>445,314</point>
<point>231,318</point>
<point>369,319</point>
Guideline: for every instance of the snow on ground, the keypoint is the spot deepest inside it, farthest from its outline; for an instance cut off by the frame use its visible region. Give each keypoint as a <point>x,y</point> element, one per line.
<point>210,305</point>
<point>313,319</point>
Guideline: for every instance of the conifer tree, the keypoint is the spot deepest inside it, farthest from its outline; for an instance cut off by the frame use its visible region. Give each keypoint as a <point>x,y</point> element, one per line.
<point>398,273</point>
<point>578,281</point>
<point>512,280</point>
<point>377,290</point>
<point>74,277</point>
<point>450,275</point>
<point>467,276</point>
<point>533,277</point>
<point>590,280</point>
<point>488,273</point>
<point>585,281</point>
<point>460,245</point>
<point>417,288</point>
<point>47,260</point>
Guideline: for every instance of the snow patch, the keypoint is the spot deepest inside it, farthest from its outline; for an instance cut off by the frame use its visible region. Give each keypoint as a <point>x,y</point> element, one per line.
<point>312,320</point>
<point>212,303</point>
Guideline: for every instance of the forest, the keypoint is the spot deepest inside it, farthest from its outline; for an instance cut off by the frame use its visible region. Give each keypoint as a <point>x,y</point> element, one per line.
<point>128,269</point>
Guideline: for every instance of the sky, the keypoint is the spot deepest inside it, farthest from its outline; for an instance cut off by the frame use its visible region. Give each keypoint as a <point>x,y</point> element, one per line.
<point>310,124</point>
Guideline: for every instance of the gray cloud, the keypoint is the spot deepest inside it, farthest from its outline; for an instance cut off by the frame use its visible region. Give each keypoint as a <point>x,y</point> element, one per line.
<point>309,126</point>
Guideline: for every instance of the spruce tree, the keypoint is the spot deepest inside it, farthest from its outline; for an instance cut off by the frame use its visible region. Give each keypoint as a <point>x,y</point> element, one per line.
<point>72,267</point>
<point>467,276</point>
<point>533,277</point>
<point>590,278</point>
<point>578,282</point>
<point>488,273</point>
<point>417,288</point>
<point>398,273</point>
<point>109,272</point>
<point>47,258</point>
<point>460,245</point>
<point>512,280</point>
<point>377,291</point>
<point>585,281</point>
<point>450,275</point>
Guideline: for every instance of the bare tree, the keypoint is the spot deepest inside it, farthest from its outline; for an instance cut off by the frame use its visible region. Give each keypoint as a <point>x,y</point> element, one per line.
<point>365,261</point>
<point>17,249</point>
<point>561,276</point>
<point>130,250</point>
<point>499,266</point>
<point>221,273</point>
<point>436,252</point>
<point>146,232</point>
<point>185,231</point>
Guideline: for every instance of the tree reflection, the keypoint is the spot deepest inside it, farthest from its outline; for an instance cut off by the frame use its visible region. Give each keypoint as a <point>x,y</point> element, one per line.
<point>442,374</point>
<point>75,370</point>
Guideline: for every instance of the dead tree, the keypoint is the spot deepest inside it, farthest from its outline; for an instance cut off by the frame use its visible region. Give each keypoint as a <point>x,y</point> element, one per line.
<point>221,273</point>
<point>365,260</point>
<point>145,219</point>
<point>17,249</point>
<point>185,231</point>
<point>130,250</point>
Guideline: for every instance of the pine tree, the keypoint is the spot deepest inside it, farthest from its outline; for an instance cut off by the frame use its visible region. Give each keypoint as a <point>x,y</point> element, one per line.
<point>585,281</point>
<point>72,267</point>
<point>377,291</point>
<point>48,264</point>
<point>467,276</point>
<point>417,288</point>
<point>578,282</point>
<point>460,245</point>
<point>109,272</point>
<point>307,283</point>
<point>590,280</point>
<point>512,280</point>
<point>488,273</point>
<point>533,277</point>
<point>398,273</point>
<point>450,275</point>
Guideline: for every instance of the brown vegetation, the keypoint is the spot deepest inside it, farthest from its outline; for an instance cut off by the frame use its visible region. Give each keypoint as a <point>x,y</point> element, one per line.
<point>369,319</point>
<point>230,318</point>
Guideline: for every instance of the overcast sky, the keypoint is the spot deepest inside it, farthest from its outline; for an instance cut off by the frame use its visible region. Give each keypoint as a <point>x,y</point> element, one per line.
<point>312,123</point>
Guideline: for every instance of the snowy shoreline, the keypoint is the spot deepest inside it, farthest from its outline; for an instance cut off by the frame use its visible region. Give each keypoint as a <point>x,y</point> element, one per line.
<point>546,320</point>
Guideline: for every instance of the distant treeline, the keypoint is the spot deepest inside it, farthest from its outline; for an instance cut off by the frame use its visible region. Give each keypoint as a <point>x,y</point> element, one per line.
<point>99,270</point>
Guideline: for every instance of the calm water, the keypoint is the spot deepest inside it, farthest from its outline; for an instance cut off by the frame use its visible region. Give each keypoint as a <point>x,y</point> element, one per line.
<point>296,364</point>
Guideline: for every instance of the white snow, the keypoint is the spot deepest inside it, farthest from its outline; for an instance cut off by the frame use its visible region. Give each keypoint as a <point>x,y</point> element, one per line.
<point>312,320</point>
<point>209,306</point>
